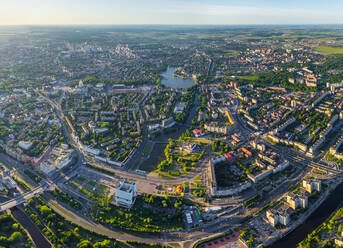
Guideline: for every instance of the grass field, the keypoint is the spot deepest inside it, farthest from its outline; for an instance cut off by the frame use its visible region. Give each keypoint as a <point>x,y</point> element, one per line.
<point>325,39</point>
<point>233,52</point>
<point>329,50</point>
<point>250,77</point>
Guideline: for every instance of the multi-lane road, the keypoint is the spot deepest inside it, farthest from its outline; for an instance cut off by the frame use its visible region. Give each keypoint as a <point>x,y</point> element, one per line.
<point>216,226</point>
<point>22,198</point>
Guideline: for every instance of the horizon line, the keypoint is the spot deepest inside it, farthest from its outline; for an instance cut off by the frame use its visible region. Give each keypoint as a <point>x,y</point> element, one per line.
<point>170,24</point>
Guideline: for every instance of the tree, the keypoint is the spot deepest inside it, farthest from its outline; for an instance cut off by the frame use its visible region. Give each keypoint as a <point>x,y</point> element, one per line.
<point>104,244</point>
<point>340,228</point>
<point>214,146</point>
<point>15,237</point>
<point>45,210</point>
<point>85,244</point>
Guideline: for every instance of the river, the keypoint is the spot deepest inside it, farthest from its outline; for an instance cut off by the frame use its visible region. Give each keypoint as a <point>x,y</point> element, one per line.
<point>169,80</point>
<point>157,153</point>
<point>37,236</point>
<point>313,221</point>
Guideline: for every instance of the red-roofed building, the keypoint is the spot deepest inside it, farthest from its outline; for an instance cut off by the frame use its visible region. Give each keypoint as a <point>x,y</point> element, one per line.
<point>198,132</point>
<point>246,152</point>
<point>230,157</point>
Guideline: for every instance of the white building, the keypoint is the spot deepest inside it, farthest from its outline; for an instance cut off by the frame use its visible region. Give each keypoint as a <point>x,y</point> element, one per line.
<point>260,176</point>
<point>63,161</point>
<point>25,145</point>
<point>168,122</point>
<point>101,130</point>
<point>47,168</point>
<point>214,129</point>
<point>189,218</point>
<point>154,127</point>
<point>278,216</point>
<point>91,150</point>
<point>9,182</point>
<point>281,167</point>
<point>296,201</point>
<point>312,185</point>
<point>125,194</point>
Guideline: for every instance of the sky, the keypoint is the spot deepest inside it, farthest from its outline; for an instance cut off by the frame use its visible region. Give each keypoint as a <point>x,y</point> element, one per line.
<point>62,12</point>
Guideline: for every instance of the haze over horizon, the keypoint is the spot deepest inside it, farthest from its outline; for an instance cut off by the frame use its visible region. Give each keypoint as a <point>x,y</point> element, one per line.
<point>64,12</point>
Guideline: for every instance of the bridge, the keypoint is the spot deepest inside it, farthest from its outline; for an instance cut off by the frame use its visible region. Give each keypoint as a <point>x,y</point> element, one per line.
<point>22,198</point>
<point>299,158</point>
<point>312,164</point>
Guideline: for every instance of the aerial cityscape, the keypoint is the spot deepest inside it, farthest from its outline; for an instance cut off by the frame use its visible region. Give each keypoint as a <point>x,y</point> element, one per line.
<point>181,135</point>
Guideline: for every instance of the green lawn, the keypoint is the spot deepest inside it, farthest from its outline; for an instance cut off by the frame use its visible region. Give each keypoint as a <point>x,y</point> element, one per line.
<point>81,179</point>
<point>329,50</point>
<point>233,52</point>
<point>147,149</point>
<point>92,183</point>
<point>102,188</point>
<point>250,77</point>
<point>149,214</point>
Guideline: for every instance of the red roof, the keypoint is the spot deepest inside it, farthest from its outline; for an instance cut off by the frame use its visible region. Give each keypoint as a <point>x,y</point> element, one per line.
<point>230,157</point>
<point>197,131</point>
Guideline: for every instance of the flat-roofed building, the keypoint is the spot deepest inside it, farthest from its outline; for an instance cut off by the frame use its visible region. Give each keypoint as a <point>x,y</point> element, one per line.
<point>311,185</point>
<point>260,176</point>
<point>297,200</point>
<point>90,150</point>
<point>25,145</point>
<point>125,194</point>
<point>214,129</point>
<point>47,168</point>
<point>168,122</point>
<point>278,216</point>
<point>9,182</point>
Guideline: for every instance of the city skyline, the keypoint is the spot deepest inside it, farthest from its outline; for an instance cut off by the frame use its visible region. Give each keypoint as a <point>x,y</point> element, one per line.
<point>171,124</point>
<point>63,12</point>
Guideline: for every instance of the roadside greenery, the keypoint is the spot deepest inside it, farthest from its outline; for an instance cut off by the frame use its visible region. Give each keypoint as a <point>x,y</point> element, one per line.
<point>12,234</point>
<point>149,214</point>
<point>103,170</point>
<point>326,233</point>
<point>61,232</point>
<point>65,198</point>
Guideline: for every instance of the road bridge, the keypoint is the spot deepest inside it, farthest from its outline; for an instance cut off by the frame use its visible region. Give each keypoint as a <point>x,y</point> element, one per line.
<point>22,198</point>
<point>312,164</point>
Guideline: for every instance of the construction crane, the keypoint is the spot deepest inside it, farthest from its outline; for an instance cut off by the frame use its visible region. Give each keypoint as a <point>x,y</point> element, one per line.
<point>229,117</point>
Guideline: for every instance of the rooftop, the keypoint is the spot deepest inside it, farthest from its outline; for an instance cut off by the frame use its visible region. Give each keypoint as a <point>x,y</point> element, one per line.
<point>126,187</point>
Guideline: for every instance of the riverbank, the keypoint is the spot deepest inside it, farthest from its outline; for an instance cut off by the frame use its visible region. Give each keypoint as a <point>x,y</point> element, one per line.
<point>35,233</point>
<point>314,217</point>
<point>37,237</point>
<point>310,221</point>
